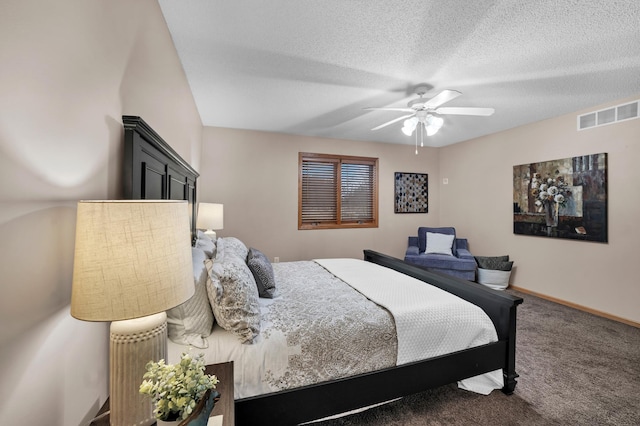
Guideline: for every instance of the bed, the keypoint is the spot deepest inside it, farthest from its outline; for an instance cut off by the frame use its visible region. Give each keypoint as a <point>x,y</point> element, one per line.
<point>295,396</point>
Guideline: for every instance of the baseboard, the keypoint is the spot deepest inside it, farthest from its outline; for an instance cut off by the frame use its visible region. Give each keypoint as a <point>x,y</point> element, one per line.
<point>576,306</point>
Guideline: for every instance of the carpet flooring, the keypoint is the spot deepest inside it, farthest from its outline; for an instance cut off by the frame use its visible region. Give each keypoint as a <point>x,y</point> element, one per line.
<point>575,369</point>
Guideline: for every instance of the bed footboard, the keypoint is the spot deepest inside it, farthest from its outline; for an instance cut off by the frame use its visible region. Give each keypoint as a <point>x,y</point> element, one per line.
<point>499,306</point>
<point>295,406</point>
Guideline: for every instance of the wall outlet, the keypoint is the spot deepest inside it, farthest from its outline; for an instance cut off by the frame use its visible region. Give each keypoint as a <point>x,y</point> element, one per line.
<point>445,181</point>
<point>276,259</point>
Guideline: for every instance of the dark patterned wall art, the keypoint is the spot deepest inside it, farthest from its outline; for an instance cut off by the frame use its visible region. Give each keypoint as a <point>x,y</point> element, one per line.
<point>564,198</point>
<point>411,192</point>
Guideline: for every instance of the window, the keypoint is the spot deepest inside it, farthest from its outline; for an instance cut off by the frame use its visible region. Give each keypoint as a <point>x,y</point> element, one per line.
<point>337,191</point>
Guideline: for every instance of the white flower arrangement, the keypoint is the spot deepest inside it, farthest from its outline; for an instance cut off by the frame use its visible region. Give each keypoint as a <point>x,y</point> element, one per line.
<point>549,192</point>
<point>176,389</point>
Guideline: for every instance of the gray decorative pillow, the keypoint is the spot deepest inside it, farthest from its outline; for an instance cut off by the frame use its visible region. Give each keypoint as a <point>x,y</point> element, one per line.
<point>496,263</point>
<point>233,295</point>
<point>234,246</point>
<point>263,273</point>
<point>192,321</point>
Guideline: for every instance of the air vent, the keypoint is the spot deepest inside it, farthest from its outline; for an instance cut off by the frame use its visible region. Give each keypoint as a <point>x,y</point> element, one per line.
<point>608,116</point>
<point>627,111</point>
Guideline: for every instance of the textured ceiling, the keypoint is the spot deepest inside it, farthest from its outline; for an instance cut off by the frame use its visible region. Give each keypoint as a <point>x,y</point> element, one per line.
<point>310,67</point>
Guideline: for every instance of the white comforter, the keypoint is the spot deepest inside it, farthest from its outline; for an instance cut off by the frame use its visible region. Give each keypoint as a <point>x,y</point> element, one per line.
<point>429,321</point>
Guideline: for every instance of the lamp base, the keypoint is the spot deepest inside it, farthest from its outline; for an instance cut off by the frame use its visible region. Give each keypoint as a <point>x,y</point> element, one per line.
<point>133,343</point>
<point>211,234</point>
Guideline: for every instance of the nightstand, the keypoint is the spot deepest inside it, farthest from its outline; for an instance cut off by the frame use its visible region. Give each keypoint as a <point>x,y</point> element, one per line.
<point>224,407</point>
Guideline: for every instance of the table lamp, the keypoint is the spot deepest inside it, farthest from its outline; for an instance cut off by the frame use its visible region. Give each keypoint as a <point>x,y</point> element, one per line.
<point>210,217</point>
<point>132,262</point>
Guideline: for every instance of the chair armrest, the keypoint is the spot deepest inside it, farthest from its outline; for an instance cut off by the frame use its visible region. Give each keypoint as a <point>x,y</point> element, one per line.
<point>465,254</point>
<point>412,250</point>
<point>462,244</point>
<point>413,241</point>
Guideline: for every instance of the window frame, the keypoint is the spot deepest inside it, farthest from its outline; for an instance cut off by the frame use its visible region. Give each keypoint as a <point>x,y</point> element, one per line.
<point>339,160</point>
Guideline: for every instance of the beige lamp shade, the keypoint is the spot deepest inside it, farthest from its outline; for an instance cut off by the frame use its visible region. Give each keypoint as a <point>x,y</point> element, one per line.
<point>132,259</point>
<point>210,216</point>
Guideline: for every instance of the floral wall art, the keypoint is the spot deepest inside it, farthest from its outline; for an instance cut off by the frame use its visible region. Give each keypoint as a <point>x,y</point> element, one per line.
<point>564,198</point>
<point>411,193</point>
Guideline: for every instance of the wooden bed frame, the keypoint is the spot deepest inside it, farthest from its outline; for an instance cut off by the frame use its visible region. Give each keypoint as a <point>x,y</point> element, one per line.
<point>153,170</point>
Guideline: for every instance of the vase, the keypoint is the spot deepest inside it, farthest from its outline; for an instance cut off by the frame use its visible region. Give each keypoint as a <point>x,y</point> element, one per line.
<point>551,213</point>
<point>200,415</point>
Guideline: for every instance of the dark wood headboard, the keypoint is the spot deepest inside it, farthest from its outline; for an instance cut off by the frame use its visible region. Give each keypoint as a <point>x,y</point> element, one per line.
<point>153,170</point>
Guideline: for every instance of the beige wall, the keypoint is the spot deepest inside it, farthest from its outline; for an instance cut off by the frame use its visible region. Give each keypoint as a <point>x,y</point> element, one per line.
<point>254,174</point>
<point>478,201</point>
<point>70,70</point>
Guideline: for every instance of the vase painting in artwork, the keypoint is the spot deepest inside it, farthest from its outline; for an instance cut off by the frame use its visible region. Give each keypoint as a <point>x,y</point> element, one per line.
<point>551,213</point>
<point>563,198</point>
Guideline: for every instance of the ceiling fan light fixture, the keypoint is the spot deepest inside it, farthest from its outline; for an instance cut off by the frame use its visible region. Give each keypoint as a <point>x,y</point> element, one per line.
<point>409,125</point>
<point>436,121</point>
<point>425,112</point>
<point>433,124</point>
<point>431,130</point>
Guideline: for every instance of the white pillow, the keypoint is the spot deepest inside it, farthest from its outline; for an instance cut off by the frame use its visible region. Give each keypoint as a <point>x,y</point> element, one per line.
<point>201,234</point>
<point>191,322</point>
<point>439,243</point>
<point>208,245</point>
<point>497,280</point>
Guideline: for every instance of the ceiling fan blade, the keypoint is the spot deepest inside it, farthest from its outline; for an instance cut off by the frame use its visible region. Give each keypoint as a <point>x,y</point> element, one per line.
<point>441,98</point>
<point>465,111</point>
<point>390,109</point>
<point>393,121</point>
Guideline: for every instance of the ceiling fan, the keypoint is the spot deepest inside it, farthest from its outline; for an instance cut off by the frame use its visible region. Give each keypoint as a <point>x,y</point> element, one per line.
<point>427,110</point>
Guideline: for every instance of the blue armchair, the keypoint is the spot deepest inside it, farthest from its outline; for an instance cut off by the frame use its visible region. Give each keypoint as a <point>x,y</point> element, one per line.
<point>434,254</point>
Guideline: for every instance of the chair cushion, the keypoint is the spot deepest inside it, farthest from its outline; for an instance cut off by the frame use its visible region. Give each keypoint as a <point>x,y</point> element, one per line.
<point>422,237</point>
<point>442,261</point>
